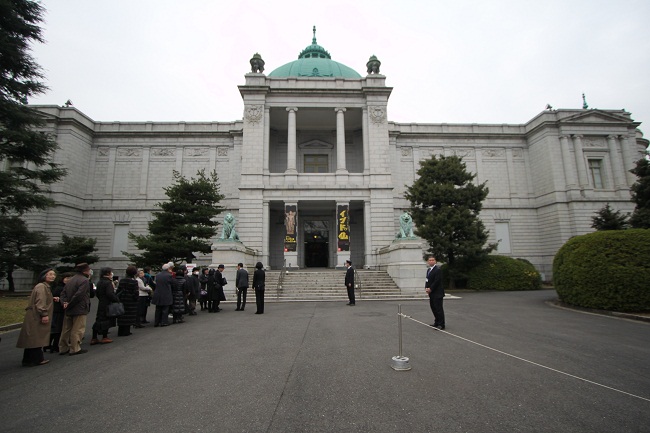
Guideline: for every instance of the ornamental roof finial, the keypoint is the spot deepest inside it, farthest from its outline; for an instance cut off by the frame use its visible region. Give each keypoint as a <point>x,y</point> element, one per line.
<point>313,40</point>
<point>584,102</point>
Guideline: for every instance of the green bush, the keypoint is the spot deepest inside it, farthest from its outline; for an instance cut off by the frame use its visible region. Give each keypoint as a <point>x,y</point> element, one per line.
<point>503,273</point>
<point>608,270</point>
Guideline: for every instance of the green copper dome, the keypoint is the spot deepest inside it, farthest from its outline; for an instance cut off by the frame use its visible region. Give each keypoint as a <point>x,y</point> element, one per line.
<point>314,61</point>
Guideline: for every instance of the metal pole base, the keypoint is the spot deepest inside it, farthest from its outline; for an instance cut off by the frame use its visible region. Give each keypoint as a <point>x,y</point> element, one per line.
<point>400,363</point>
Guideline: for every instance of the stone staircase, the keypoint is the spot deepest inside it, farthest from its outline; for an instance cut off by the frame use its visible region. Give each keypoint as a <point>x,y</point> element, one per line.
<point>327,285</point>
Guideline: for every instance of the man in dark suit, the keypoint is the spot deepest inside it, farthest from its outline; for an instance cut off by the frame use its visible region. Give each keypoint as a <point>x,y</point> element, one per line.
<point>349,281</point>
<point>241,283</point>
<point>433,287</point>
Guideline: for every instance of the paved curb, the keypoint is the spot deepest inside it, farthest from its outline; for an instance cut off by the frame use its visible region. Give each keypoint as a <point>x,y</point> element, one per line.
<point>631,316</point>
<point>11,327</point>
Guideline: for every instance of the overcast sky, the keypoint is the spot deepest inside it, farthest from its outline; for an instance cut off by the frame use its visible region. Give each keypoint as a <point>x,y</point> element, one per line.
<point>448,61</point>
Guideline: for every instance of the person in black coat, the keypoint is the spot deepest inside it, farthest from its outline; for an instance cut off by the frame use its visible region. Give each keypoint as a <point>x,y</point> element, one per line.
<point>241,283</point>
<point>433,287</point>
<point>349,282</point>
<point>259,276</point>
<point>57,314</point>
<point>178,294</point>
<point>128,292</point>
<point>193,289</point>
<point>203,280</point>
<point>211,285</point>
<point>215,289</point>
<point>162,295</point>
<point>105,295</point>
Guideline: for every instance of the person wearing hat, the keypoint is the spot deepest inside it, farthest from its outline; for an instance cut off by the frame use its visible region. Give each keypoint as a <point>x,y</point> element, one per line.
<point>75,298</point>
<point>35,332</point>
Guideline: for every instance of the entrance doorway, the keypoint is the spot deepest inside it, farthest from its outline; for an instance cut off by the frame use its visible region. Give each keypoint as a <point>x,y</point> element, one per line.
<point>316,244</point>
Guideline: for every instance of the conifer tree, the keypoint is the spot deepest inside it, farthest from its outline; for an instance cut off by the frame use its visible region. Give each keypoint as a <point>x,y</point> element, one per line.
<point>608,219</point>
<point>445,206</point>
<point>640,218</point>
<point>186,223</point>
<point>75,249</point>
<point>26,167</point>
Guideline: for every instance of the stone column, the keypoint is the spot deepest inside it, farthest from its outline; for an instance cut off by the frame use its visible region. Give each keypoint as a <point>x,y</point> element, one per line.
<point>366,142</point>
<point>567,162</point>
<point>291,141</point>
<point>367,234</point>
<point>629,158</point>
<point>144,173</point>
<point>267,135</point>
<point>340,141</point>
<point>580,161</point>
<point>112,155</point>
<point>617,165</point>
<point>266,221</point>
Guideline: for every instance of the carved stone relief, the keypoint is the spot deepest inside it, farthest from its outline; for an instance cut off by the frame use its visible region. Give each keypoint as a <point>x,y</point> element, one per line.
<point>494,153</point>
<point>129,152</point>
<point>377,114</point>
<point>517,153</point>
<point>406,152</point>
<point>122,218</point>
<point>163,151</point>
<point>463,153</point>
<point>594,142</point>
<point>254,113</point>
<point>102,152</point>
<point>222,152</point>
<point>196,151</point>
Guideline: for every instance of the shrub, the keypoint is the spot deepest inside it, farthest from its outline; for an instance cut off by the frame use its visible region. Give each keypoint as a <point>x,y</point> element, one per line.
<point>503,273</point>
<point>607,270</point>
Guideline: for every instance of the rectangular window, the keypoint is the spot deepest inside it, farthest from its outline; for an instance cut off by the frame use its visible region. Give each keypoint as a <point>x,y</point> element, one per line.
<point>120,239</point>
<point>596,170</point>
<point>502,232</point>
<point>316,164</point>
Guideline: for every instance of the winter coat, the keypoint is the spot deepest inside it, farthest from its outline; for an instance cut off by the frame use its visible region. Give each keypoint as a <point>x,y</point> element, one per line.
<point>259,277</point>
<point>105,295</point>
<point>193,287</point>
<point>178,294</point>
<point>241,282</point>
<point>56,325</point>
<point>76,294</point>
<point>128,292</point>
<point>34,333</point>
<point>162,295</point>
<point>217,281</point>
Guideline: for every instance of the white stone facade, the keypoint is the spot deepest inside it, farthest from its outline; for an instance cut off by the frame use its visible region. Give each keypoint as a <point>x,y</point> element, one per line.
<point>321,142</point>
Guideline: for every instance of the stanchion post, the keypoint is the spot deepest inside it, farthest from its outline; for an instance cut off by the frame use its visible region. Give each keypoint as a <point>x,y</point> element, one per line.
<point>399,362</point>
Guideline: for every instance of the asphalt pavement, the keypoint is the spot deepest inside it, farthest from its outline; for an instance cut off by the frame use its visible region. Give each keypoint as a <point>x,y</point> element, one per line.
<point>507,362</point>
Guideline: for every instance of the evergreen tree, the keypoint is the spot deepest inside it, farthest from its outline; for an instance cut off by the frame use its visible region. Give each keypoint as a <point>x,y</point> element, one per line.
<point>75,249</point>
<point>185,224</point>
<point>26,168</point>
<point>21,248</point>
<point>445,206</point>
<point>608,219</point>
<point>640,218</point>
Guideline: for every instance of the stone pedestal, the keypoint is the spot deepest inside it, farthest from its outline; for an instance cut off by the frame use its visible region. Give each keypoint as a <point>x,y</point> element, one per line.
<point>229,253</point>
<point>404,262</point>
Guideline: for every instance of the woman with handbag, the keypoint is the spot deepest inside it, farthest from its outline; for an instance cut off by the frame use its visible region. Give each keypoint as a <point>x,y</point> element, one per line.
<point>105,295</point>
<point>35,332</point>
<point>128,293</point>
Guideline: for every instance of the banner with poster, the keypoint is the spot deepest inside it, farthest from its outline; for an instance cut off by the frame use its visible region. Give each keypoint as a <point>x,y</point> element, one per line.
<point>290,218</point>
<point>190,268</point>
<point>343,217</point>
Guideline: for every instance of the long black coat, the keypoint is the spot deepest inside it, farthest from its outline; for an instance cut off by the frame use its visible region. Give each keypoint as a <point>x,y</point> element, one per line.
<point>162,294</point>
<point>178,294</point>
<point>128,292</point>
<point>215,286</point>
<point>59,313</point>
<point>105,295</point>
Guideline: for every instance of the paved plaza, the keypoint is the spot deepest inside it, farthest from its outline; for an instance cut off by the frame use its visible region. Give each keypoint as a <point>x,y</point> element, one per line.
<point>326,367</point>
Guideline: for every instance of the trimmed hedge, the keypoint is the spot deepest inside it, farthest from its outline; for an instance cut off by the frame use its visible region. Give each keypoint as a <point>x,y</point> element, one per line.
<point>503,273</point>
<point>607,270</point>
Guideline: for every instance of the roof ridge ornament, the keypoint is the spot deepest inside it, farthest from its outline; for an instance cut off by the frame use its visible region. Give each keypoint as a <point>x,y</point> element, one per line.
<point>313,40</point>
<point>584,102</point>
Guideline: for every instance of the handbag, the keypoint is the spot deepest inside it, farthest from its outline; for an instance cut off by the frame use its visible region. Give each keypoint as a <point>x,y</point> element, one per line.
<point>115,309</point>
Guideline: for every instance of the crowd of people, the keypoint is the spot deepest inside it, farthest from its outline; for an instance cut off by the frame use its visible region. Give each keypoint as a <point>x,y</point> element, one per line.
<point>55,317</point>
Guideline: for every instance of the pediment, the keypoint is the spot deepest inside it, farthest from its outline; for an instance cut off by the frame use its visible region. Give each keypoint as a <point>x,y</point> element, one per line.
<point>597,116</point>
<point>315,144</point>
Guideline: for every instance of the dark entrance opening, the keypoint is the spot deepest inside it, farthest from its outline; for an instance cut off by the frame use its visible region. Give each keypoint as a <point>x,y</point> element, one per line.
<point>316,244</point>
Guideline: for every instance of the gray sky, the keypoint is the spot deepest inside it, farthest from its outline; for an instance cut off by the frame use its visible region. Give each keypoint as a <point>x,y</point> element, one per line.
<point>448,61</point>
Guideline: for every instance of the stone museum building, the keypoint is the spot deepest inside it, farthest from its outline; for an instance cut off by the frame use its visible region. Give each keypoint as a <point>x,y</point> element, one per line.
<point>315,171</point>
